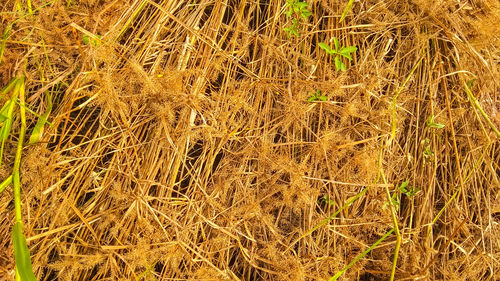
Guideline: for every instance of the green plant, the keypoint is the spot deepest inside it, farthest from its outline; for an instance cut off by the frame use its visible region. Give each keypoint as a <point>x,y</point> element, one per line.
<point>16,88</point>
<point>296,10</point>
<point>327,200</point>
<point>317,96</point>
<point>86,40</point>
<point>427,153</point>
<point>360,256</point>
<point>338,52</point>
<point>433,124</point>
<point>394,201</point>
<point>407,189</point>
<point>403,188</point>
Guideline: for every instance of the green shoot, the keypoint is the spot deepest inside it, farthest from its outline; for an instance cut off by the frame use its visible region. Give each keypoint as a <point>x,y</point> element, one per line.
<point>403,188</point>
<point>475,103</point>
<point>394,201</point>
<point>359,257</point>
<point>346,10</point>
<point>293,29</point>
<point>24,271</point>
<point>7,115</point>
<point>433,124</point>
<point>407,189</point>
<point>296,10</point>
<point>327,200</point>
<point>86,39</point>
<point>427,153</point>
<point>22,254</point>
<point>331,217</point>
<point>338,52</point>
<point>317,96</point>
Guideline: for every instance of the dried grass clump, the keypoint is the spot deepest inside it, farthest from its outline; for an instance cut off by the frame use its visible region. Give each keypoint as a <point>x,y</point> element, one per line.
<point>183,146</point>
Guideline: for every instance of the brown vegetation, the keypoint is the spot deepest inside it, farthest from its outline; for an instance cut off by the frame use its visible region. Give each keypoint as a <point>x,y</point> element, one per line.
<point>183,147</point>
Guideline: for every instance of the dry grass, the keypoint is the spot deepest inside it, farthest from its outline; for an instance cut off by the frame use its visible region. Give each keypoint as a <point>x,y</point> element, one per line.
<point>183,146</point>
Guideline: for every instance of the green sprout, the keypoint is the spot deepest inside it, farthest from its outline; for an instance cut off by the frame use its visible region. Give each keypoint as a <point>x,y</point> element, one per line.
<point>403,188</point>
<point>407,189</point>
<point>317,96</point>
<point>86,40</point>
<point>327,200</point>
<point>433,124</point>
<point>427,153</point>
<point>338,52</point>
<point>296,10</point>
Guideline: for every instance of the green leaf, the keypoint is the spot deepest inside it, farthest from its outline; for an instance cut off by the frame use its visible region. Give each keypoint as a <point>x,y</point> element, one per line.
<point>348,50</point>
<point>5,130</point>
<point>301,5</point>
<point>403,186</point>
<point>38,129</point>
<point>337,43</point>
<point>339,65</point>
<point>85,39</point>
<point>9,87</point>
<point>4,111</point>
<point>433,124</point>
<point>325,47</point>
<point>22,254</point>
<point>346,55</point>
<point>305,14</point>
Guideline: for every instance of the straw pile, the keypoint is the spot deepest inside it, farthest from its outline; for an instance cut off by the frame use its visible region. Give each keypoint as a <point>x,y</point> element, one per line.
<point>183,147</point>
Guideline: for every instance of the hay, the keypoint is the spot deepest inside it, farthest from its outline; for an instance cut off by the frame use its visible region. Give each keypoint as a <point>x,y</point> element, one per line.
<point>183,146</point>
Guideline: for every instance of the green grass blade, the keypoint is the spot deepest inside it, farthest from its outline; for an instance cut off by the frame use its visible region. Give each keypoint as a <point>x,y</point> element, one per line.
<point>22,254</point>
<point>5,183</point>
<point>8,113</point>
<point>336,276</point>
<point>38,129</point>
<point>4,111</point>
<point>9,87</point>
<point>476,104</point>
<point>331,217</point>
<point>346,10</point>
<point>5,35</point>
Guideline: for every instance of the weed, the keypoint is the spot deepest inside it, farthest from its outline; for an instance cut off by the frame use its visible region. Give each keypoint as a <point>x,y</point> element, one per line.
<point>317,96</point>
<point>24,270</point>
<point>407,189</point>
<point>359,257</point>
<point>338,52</point>
<point>296,10</point>
<point>327,200</point>
<point>403,188</point>
<point>427,153</point>
<point>433,124</point>
<point>86,40</point>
